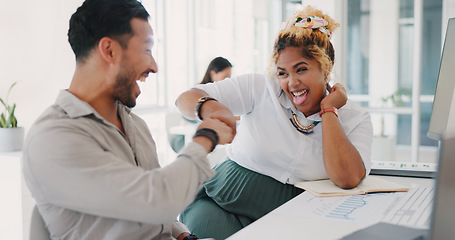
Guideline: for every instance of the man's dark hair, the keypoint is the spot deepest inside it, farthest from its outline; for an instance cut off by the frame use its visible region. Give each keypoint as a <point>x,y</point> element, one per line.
<point>96,19</point>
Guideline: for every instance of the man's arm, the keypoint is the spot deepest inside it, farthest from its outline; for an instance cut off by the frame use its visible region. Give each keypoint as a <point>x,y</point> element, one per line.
<point>188,100</point>
<point>98,182</point>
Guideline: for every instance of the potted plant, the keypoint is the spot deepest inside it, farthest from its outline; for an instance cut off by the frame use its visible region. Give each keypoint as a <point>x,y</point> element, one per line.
<point>383,148</point>
<point>11,136</point>
<point>396,99</point>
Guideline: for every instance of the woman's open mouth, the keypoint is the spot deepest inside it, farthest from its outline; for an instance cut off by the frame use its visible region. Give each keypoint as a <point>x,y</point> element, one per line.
<point>299,96</point>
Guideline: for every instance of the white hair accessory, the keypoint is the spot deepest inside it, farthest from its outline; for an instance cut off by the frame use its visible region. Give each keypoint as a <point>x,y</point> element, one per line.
<point>308,22</point>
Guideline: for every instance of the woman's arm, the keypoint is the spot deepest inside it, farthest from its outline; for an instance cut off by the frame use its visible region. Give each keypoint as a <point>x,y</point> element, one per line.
<point>187,102</point>
<point>342,160</point>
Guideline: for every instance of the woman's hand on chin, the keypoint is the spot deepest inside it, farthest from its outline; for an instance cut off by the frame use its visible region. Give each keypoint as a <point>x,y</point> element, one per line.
<point>337,97</point>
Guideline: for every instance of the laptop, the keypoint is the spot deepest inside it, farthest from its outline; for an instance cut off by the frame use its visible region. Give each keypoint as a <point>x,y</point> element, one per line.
<point>436,204</point>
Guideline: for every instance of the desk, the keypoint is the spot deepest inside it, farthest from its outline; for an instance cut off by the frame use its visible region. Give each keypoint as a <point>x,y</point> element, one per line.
<point>284,223</point>
<point>11,201</point>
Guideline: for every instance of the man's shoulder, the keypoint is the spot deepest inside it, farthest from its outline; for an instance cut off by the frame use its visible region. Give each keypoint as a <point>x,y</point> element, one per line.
<point>53,120</point>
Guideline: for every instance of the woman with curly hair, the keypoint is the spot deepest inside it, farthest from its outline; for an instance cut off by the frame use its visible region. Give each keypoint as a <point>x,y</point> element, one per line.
<point>294,127</point>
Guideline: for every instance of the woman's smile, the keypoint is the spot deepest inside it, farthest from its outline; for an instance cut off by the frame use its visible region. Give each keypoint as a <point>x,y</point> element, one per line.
<point>299,96</point>
<point>302,80</point>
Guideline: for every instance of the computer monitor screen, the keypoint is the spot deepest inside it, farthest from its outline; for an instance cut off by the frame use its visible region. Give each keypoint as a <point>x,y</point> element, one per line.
<point>443,112</point>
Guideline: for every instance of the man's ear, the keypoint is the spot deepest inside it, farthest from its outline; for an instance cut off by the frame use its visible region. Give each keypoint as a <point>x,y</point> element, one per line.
<point>108,48</point>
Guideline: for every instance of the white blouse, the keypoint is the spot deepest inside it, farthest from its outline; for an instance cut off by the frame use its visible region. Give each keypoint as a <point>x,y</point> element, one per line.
<point>267,142</point>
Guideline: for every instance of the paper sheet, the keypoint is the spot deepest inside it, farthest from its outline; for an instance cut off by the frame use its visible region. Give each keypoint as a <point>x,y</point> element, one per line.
<point>365,209</point>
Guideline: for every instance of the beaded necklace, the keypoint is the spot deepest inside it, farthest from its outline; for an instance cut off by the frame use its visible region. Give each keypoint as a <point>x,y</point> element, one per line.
<point>303,129</point>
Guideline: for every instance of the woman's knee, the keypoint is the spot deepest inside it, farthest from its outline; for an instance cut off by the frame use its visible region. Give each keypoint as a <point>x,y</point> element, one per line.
<point>206,219</point>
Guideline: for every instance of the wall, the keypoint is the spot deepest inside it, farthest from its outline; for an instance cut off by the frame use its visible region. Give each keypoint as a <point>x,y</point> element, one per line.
<point>34,51</point>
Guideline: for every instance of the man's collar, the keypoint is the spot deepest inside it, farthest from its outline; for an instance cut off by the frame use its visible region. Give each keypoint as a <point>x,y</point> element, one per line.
<point>75,107</point>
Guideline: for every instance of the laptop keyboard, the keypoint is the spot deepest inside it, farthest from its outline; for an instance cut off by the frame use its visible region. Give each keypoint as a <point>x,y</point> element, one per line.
<point>407,169</point>
<point>414,209</point>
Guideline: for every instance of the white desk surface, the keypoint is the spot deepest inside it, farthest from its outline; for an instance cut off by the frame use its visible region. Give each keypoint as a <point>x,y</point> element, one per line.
<point>281,223</point>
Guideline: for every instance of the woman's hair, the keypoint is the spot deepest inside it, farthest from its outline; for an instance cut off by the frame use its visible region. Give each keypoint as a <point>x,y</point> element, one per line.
<point>314,42</point>
<point>217,64</point>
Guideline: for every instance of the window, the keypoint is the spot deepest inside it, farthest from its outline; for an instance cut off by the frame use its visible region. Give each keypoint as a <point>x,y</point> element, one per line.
<point>375,51</point>
<point>380,58</point>
<point>189,34</point>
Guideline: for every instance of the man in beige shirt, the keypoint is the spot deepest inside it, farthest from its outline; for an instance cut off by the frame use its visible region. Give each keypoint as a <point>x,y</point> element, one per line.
<point>90,163</point>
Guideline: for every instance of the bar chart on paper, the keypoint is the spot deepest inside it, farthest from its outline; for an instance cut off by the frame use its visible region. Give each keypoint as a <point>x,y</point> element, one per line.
<point>353,207</point>
<point>367,209</point>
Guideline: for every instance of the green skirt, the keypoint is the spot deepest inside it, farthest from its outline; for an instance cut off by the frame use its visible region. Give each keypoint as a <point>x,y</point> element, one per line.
<point>232,199</point>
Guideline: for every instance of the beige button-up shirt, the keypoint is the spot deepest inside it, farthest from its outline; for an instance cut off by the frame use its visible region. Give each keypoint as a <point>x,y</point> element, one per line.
<point>91,181</point>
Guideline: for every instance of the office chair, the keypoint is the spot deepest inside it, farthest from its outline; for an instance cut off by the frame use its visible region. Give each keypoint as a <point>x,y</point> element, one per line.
<point>38,230</point>
<point>173,119</point>
<point>177,142</point>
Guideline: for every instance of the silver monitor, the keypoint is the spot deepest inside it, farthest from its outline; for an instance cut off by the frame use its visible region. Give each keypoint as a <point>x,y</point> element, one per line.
<point>443,216</point>
<point>443,112</point>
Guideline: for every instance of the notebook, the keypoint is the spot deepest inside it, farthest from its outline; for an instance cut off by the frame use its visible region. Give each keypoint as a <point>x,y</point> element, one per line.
<point>371,184</point>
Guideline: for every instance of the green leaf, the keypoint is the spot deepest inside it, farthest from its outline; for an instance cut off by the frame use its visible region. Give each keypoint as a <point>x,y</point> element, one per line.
<point>11,117</point>
<point>4,104</point>
<point>14,122</point>
<point>7,118</point>
<point>2,121</point>
<point>9,90</point>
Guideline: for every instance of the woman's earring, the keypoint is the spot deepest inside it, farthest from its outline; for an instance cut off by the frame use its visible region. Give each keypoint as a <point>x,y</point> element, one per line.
<point>328,87</point>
